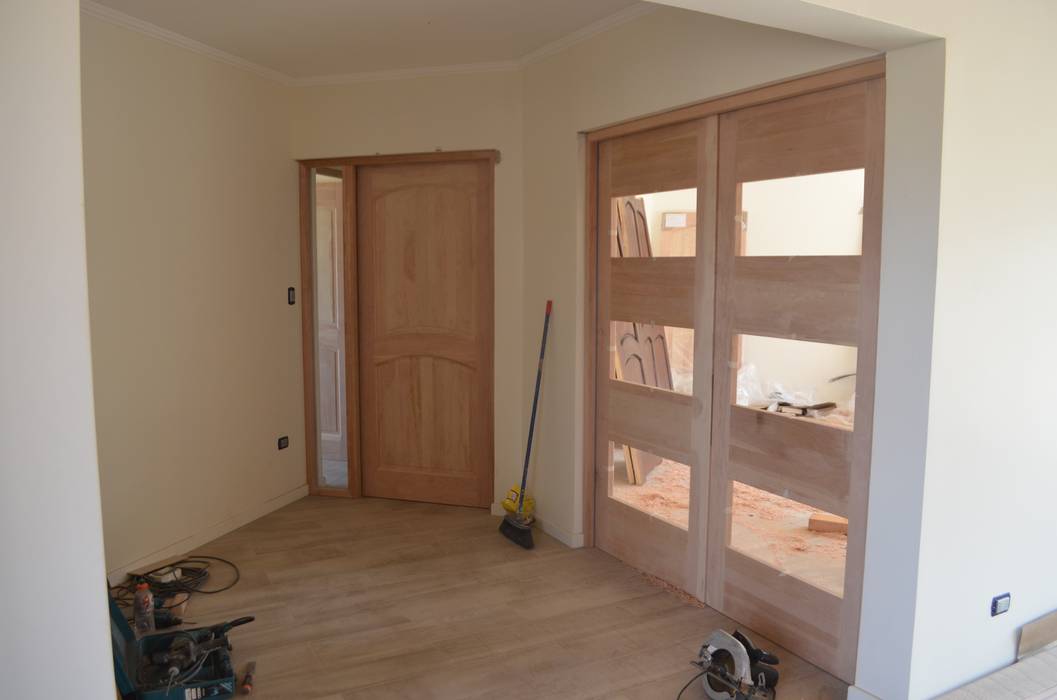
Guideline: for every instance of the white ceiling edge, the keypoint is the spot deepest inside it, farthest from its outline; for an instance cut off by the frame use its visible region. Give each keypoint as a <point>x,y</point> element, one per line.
<point>121,19</point>
<point>812,18</point>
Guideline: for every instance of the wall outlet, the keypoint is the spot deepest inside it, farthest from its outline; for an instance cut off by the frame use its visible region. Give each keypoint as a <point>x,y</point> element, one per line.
<point>1000,604</point>
<point>284,442</point>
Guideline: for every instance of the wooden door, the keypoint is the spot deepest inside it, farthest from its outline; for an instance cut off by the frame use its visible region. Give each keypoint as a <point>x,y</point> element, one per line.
<point>655,527</point>
<point>828,299</point>
<point>330,333</point>
<point>426,316</point>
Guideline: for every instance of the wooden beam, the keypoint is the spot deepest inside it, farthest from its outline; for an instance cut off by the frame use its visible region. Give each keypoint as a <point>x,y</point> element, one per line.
<point>820,133</point>
<point>403,158</point>
<point>591,352</point>
<point>812,298</point>
<point>759,597</point>
<point>308,324</point>
<point>352,332</point>
<point>798,458</point>
<point>659,291</point>
<point>654,420</point>
<point>661,160</point>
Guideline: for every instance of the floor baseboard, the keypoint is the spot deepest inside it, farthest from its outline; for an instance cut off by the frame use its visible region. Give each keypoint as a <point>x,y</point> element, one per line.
<point>208,534</point>
<point>573,540</point>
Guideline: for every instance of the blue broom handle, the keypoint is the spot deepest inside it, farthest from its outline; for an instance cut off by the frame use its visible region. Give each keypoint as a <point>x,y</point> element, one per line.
<point>535,401</point>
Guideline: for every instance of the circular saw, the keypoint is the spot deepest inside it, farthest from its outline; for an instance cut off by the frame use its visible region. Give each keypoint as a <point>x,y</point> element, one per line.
<point>735,669</point>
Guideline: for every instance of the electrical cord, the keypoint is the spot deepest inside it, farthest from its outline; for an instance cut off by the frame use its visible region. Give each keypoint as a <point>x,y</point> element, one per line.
<point>680,695</point>
<point>194,572</point>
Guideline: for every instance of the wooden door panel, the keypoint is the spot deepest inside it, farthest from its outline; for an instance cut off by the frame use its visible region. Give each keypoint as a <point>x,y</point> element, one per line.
<point>425,233</point>
<point>830,299</point>
<point>330,423</point>
<point>634,402</point>
<point>330,322</point>
<point>425,247</point>
<point>429,399</point>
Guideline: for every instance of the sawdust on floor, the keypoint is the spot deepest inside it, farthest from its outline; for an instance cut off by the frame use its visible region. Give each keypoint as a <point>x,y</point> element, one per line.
<point>765,526</point>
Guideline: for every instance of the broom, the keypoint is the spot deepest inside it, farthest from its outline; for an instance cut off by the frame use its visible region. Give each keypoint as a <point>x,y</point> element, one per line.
<point>515,526</point>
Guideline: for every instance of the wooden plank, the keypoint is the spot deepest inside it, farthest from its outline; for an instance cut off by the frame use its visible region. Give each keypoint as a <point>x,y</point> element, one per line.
<point>655,161</point>
<point>404,158</point>
<point>724,368</point>
<point>869,294</point>
<point>590,352</point>
<point>790,612</point>
<point>704,325</point>
<point>308,324</point>
<point>650,419</point>
<point>1037,634</point>
<point>655,546</point>
<point>831,77</point>
<point>352,334</point>
<point>791,457</point>
<point>605,510</point>
<point>816,133</point>
<point>653,290</point>
<point>812,298</point>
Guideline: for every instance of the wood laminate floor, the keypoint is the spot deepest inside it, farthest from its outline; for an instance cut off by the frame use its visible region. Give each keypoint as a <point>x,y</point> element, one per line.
<point>369,598</point>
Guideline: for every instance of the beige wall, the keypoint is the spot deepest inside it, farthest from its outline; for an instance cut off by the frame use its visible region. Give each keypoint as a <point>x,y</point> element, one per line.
<point>454,112</point>
<point>665,59</point>
<point>185,258</point>
<point>192,242</point>
<point>51,539</point>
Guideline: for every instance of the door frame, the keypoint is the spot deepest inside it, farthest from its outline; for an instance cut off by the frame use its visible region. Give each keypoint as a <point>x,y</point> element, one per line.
<point>306,196</point>
<point>844,74</point>
<point>596,253</point>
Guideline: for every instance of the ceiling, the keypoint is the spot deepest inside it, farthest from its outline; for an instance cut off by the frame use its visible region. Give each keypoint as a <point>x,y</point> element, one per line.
<point>316,39</point>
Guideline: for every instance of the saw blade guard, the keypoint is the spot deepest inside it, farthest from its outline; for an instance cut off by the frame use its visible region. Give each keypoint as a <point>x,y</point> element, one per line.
<point>722,652</point>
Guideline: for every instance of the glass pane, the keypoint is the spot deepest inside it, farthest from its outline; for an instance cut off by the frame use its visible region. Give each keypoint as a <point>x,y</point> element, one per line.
<point>659,356</point>
<point>805,215</point>
<point>330,331</point>
<point>656,486</point>
<point>789,536</point>
<point>777,371</point>
<point>658,225</point>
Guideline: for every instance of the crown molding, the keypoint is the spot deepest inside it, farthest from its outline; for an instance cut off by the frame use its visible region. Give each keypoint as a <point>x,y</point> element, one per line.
<point>97,10</point>
<point>405,73</point>
<point>108,14</point>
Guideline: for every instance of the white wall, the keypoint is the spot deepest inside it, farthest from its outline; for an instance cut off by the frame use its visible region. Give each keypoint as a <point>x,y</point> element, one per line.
<point>453,112</point>
<point>56,639</point>
<point>192,243</point>
<point>665,59</point>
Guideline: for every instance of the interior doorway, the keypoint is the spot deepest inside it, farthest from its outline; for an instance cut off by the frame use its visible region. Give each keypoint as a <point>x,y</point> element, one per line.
<point>397,316</point>
<point>734,249</point>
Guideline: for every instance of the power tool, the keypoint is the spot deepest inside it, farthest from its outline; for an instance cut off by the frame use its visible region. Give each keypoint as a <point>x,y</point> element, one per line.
<point>734,668</point>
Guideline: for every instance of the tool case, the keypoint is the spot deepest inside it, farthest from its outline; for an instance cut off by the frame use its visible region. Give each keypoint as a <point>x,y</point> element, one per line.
<point>138,680</point>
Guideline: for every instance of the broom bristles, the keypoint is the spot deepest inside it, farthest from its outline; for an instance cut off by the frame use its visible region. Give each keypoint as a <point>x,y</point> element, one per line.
<point>517,531</point>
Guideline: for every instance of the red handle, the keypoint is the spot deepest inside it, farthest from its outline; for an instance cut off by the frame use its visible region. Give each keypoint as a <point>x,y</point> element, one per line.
<point>549,304</point>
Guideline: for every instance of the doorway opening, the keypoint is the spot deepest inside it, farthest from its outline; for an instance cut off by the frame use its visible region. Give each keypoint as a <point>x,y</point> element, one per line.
<point>397,315</point>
